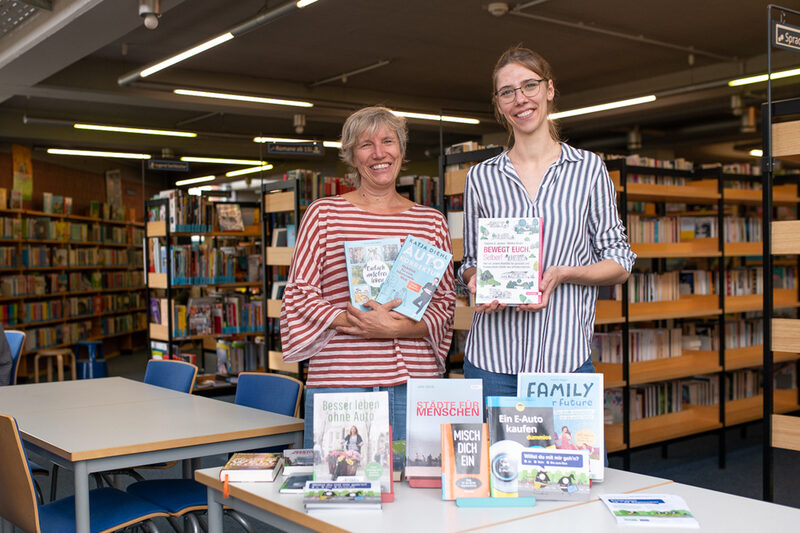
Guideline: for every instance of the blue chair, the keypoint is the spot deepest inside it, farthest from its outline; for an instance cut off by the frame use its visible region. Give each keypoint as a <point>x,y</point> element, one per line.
<point>275,393</point>
<point>111,509</point>
<point>171,374</point>
<point>94,366</point>
<point>16,340</point>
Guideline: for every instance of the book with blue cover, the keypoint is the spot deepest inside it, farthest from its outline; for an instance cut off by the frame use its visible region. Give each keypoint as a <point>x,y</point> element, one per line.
<point>577,400</point>
<point>368,265</point>
<point>414,277</point>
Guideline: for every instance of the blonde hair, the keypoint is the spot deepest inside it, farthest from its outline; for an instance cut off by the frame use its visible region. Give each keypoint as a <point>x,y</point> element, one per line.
<point>369,120</point>
<point>530,60</point>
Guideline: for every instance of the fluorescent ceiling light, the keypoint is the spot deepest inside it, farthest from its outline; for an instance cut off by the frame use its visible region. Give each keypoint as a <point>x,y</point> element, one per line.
<point>243,98</point>
<point>763,77</point>
<point>96,153</point>
<point>189,181</point>
<point>437,118</point>
<point>757,152</point>
<point>143,131</point>
<point>249,170</point>
<point>225,37</point>
<point>303,3</point>
<point>223,161</point>
<point>602,107</point>
<point>198,191</point>
<point>326,144</point>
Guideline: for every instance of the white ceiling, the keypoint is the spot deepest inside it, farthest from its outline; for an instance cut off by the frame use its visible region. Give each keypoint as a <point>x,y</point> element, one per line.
<point>64,64</point>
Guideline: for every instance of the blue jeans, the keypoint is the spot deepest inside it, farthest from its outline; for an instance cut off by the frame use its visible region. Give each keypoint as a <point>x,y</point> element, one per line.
<point>397,409</point>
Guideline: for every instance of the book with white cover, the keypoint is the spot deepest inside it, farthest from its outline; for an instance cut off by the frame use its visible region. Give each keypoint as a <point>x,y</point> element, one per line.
<point>509,260</point>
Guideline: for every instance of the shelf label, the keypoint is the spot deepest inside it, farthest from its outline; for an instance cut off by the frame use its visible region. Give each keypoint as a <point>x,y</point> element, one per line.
<point>167,164</point>
<point>786,36</point>
<point>284,148</point>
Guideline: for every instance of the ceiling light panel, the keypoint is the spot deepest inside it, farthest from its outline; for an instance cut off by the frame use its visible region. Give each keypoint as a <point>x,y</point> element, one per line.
<point>242,98</point>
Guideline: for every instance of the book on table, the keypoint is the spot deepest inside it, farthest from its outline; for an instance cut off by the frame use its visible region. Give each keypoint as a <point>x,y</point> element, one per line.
<point>429,404</point>
<point>368,264</point>
<point>515,424</point>
<point>414,277</point>
<point>578,402</point>
<point>509,260</point>
<point>342,495</point>
<point>353,439</point>
<point>465,460</point>
<point>250,467</point>
<point>298,461</point>
<point>295,483</point>
<point>650,510</point>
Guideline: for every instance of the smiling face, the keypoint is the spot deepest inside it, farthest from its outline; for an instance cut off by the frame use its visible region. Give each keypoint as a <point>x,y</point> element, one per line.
<point>378,157</point>
<point>525,115</point>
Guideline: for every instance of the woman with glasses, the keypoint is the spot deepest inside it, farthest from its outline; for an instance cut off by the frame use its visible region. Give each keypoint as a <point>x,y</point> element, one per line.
<point>584,242</point>
<point>350,350</point>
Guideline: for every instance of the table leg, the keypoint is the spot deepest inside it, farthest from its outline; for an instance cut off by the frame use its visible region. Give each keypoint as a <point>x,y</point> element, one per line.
<point>214,512</point>
<point>81,497</point>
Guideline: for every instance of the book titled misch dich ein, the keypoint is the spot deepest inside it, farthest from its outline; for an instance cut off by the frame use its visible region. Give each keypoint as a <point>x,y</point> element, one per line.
<point>578,411</point>
<point>509,260</point>
<point>429,404</point>
<point>352,438</point>
<point>414,277</point>
<point>465,460</point>
<point>368,265</point>
<point>249,467</point>
<point>515,424</point>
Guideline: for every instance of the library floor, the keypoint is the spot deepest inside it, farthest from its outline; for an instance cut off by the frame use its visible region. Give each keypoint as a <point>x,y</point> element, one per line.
<point>693,461</point>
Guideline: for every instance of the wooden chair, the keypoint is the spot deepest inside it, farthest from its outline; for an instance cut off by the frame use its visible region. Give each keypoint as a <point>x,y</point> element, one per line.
<point>111,509</point>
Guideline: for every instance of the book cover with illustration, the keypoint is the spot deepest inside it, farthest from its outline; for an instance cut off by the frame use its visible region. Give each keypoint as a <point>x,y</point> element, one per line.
<point>429,404</point>
<point>509,260</point>
<point>352,438</point>
<point>229,216</point>
<point>414,277</point>
<point>465,460</point>
<point>342,495</point>
<point>248,467</point>
<point>515,424</point>
<point>578,411</point>
<point>553,474</point>
<point>368,265</point>
<point>650,510</point>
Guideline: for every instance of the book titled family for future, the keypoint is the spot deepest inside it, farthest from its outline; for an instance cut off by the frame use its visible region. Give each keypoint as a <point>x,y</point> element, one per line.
<point>509,260</point>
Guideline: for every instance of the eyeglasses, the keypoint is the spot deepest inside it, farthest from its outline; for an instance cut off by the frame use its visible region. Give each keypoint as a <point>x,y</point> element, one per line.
<point>529,88</point>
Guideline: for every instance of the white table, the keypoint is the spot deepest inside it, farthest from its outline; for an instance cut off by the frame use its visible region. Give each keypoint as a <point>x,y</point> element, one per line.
<point>111,423</point>
<point>413,509</point>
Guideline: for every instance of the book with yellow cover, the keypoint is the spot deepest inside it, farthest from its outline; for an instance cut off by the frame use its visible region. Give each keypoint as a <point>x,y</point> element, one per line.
<point>249,467</point>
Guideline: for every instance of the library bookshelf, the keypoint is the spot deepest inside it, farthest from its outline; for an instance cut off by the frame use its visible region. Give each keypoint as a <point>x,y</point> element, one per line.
<point>66,278</point>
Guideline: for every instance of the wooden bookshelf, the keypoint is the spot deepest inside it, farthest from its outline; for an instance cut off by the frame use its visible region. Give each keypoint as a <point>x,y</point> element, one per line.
<point>693,248</point>
<point>691,420</point>
<point>690,363</point>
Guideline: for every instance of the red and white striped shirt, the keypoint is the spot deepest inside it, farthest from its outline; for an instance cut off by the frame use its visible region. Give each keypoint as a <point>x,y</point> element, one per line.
<point>317,291</point>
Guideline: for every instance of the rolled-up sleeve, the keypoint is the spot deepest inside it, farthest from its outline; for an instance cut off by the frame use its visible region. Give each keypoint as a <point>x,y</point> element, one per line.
<point>609,239</point>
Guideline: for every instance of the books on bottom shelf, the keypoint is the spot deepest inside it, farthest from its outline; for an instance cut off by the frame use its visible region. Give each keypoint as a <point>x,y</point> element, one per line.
<point>342,495</point>
<point>250,467</point>
<point>368,265</point>
<point>650,510</point>
<point>578,418</point>
<point>353,439</point>
<point>414,277</point>
<point>465,460</point>
<point>509,260</point>
<point>295,483</point>
<point>431,403</point>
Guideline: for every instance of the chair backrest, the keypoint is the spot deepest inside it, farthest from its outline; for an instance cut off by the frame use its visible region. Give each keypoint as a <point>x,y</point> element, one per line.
<point>269,392</point>
<point>170,374</point>
<point>16,341</point>
<point>17,496</point>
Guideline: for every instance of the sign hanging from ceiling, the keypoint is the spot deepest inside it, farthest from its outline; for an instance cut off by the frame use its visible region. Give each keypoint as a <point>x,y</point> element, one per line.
<point>167,164</point>
<point>282,148</point>
<point>786,36</point>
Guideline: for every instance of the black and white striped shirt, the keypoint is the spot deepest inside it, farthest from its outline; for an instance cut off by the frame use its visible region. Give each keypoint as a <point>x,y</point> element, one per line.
<point>581,226</point>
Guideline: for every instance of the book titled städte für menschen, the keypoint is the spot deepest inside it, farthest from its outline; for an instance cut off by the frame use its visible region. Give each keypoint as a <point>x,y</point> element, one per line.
<point>368,264</point>
<point>414,277</point>
<point>509,260</point>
